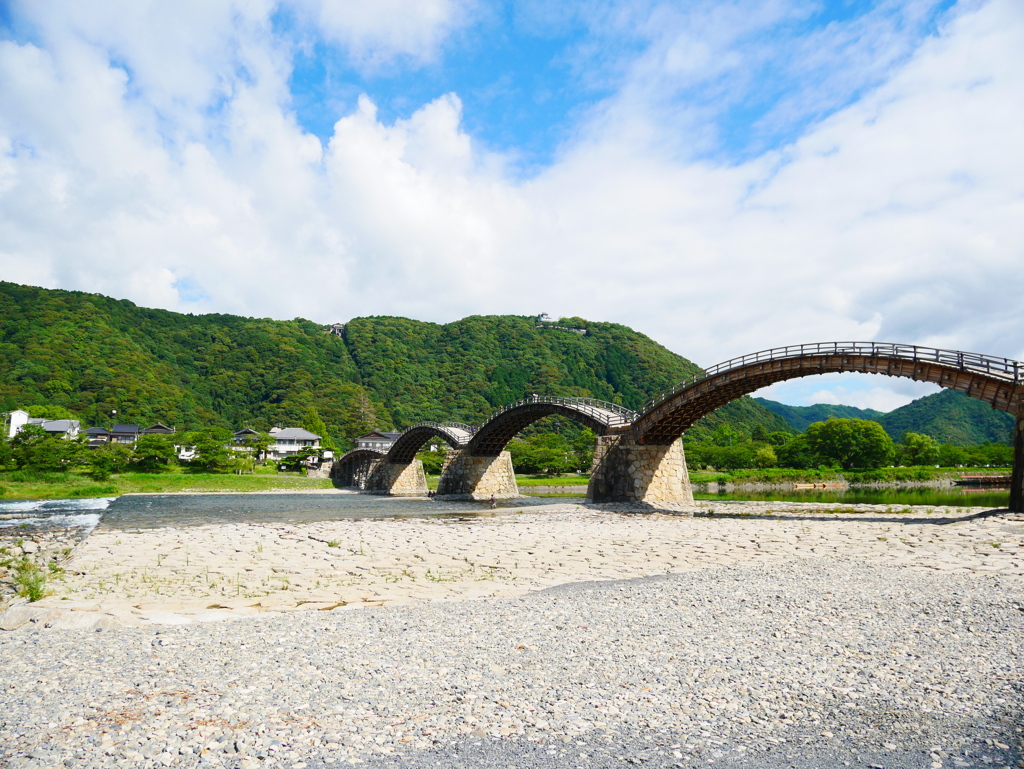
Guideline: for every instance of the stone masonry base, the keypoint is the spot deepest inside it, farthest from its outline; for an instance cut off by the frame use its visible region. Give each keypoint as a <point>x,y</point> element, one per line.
<point>398,480</point>
<point>624,471</point>
<point>472,477</point>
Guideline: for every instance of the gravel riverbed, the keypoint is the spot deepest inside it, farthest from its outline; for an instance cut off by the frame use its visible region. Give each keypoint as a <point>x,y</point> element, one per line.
<point>804,662</point>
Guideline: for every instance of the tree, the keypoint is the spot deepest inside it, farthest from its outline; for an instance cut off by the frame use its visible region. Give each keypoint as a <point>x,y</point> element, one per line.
<point>582,447</point>
<point>798,454</point>
<point>360,416</point>
<point>765,457</point>
<point>6,455</point>
<point>50,412</point>
<point>311,421</point>
<point>259,445</point>
<point>853,444</point>
<point>918,449</point>
<point>35,450</point>
<point>952,456</point>
<point>545,453</point>
<point>433,461</point>
<point>107,460</point>
<point>153,453</point>
<point>212,453</point>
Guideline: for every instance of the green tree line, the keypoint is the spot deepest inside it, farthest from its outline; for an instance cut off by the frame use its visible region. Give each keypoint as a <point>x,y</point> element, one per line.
<point>836,443</point>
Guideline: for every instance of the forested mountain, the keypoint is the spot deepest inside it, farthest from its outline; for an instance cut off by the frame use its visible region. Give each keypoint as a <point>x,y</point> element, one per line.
<point>948,416</point>
<point>800,417</point>
<point>91,354</point>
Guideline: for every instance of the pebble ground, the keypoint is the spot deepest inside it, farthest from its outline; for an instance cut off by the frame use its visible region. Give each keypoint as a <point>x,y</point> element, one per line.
<point>806,659</point>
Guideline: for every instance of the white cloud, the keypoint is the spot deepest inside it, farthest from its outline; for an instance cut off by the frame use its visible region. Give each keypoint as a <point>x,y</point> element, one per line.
<point>897,218</point>
<point>375,32</point>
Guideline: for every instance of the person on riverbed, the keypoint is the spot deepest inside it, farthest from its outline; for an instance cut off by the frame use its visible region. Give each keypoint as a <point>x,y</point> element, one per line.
<point>494,502</point>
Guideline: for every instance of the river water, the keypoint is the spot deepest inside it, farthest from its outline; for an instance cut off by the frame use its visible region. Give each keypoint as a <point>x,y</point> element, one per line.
<point>139,511</point>
<point>155,510</point>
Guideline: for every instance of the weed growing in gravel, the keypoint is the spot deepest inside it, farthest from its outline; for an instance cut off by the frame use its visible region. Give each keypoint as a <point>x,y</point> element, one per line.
<point>996,544</point>
<point>30,580</point>
<point>334,543</point>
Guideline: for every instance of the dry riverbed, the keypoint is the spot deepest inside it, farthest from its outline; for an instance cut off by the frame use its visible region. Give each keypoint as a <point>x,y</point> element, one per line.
<point>757,635</point>
<point>204,573</point>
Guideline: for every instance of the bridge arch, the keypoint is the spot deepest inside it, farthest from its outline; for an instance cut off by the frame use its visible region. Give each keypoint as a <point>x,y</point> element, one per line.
<point>996,381</point>
<point>404,449</point>
<point>354,468</point>
<point>494,435</point>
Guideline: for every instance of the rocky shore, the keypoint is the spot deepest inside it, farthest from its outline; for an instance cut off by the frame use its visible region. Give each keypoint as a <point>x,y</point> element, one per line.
<point>771,635</point>
<point>33,558</point>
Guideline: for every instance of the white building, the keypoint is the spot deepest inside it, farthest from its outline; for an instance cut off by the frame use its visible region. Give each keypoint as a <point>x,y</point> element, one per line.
<point>61,428</point>
<point>291,440</point>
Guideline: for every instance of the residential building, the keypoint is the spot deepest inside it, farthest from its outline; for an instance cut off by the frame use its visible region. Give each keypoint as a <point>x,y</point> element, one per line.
<point>128,433</point>
<point>291,440</point>
<point>377,441</point>
<point>61,428</point>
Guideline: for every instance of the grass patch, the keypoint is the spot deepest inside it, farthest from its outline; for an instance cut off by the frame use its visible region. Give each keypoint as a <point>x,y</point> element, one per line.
<point>569,479</point>
<point>29,580</point>
<point>75,484</point>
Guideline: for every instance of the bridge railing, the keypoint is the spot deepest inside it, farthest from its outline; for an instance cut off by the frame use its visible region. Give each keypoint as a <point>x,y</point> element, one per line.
<point>430,423</point>
<point>611,414</point>
<point>1010,371</point>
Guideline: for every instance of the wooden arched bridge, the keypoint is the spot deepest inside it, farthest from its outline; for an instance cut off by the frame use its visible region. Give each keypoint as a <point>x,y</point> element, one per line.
<point>639,457</point>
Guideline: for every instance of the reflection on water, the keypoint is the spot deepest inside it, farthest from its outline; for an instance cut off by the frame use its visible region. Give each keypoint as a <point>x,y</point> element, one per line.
<point>955,496</point>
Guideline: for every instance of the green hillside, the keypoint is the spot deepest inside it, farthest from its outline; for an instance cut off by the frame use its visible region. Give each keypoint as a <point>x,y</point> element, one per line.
<point>799,417</point>
<point>91,354</point>
<point>948,416</point>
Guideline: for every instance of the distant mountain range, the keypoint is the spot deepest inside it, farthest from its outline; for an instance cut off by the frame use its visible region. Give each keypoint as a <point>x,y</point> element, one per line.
<point>947,416</point>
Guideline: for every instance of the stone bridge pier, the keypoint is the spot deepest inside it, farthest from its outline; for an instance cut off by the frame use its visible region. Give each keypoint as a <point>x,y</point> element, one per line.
<point>1017,478</point>
<point>398,480</point>
<point>472,477</point>
<point>625,471</point>
<point>376,474</point>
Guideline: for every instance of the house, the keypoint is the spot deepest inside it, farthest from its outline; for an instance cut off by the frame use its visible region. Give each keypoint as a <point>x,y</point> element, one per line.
<point>240,436</point>
<point>291,440</point>
<point>98,436</point>
<point>125,433</point>
<point>158,429</point>
<point>377,441</point>
<point>60,428</point>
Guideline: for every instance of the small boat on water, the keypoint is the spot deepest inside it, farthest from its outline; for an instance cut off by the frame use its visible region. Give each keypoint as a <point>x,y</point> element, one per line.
<point>823,485</point>
<point>983,480</point>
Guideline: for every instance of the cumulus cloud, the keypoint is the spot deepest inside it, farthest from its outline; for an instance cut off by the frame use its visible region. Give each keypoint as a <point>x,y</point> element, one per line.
<point>143,161</point>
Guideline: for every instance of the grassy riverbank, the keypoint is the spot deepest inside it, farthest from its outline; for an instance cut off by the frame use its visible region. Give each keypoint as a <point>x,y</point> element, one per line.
<point>883,475</point>
<point>22,485</point>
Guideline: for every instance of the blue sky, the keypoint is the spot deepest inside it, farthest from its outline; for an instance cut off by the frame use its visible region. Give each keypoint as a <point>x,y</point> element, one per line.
<point>722,175</point>
<point>526,82</point>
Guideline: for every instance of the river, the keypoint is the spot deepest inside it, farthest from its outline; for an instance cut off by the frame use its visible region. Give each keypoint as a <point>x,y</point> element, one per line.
<point>154,510</point>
